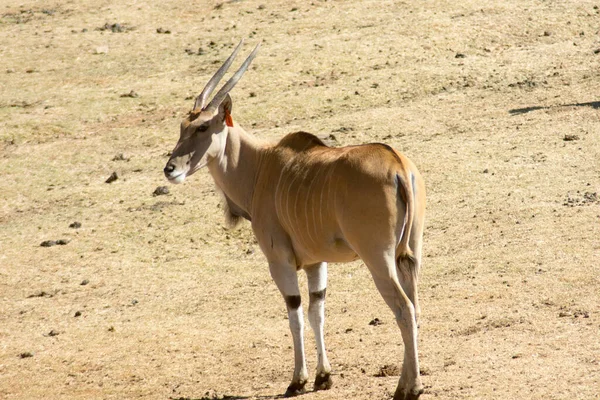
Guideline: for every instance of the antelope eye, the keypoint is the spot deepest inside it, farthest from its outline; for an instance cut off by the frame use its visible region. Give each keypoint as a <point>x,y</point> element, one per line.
<point>202,128</point>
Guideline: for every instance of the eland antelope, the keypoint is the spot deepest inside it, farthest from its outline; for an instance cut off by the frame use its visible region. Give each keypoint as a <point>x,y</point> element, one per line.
<point>310,204</point>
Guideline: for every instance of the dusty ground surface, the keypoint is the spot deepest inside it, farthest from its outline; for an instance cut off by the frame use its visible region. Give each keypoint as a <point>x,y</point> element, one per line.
<point>498,105</point>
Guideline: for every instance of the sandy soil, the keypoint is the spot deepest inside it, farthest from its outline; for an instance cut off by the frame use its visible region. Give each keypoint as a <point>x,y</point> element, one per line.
<point>151,297</point>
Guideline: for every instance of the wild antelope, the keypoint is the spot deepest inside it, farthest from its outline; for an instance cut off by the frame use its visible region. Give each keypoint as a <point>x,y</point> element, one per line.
<point>310,204</point>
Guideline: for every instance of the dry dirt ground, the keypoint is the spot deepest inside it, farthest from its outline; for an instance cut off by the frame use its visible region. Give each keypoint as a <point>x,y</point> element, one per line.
<point>498,103</point>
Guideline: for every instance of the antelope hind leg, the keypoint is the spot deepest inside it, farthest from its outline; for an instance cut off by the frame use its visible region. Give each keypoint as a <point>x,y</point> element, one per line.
<point>317,287</point>
<point>286,279</point>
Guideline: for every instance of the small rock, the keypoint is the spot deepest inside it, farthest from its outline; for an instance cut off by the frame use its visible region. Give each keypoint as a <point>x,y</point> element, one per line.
<point>48,243</point>
<point>163,31</point>
<point>388,370</point>
<point>547,33</point>
<point>84,282</point>
<point>160,191</point>
<point>52,333</point>
<point>75,225</point>
<point>485,171</point>
<point>62,242</point>
<point>460,55</point>
<point>120,157</point>
<point>113,177</point>
<point>26,355</point>
<point>30,70</point>
<point>10,71</point>
<point>101,50</point>
<point>77,314</point>
<point>41,293</point>
<point>132,94</point>
<point>570,138</point>
<point>134,302</point>
<point>111,329</point>
<point>375,322</point>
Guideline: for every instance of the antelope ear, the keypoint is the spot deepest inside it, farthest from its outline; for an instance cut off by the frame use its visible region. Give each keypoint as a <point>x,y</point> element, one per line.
<point>225,110</point>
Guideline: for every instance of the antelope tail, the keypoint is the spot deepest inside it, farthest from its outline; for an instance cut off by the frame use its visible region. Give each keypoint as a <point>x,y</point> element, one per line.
<point>406,194</point>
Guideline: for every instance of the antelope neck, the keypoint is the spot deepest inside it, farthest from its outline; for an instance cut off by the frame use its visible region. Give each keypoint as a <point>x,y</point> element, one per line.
<point>234,172</point>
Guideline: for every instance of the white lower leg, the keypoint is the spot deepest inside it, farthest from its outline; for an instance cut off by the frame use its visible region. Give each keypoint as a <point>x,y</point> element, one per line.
<point>317,285</point>
<point>296,318</point>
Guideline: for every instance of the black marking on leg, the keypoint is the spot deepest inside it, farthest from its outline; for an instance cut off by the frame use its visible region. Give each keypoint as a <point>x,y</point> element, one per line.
<point>323,381</point>
<point>293,302</point>
<point>320,295</point>
<point>295,389</point>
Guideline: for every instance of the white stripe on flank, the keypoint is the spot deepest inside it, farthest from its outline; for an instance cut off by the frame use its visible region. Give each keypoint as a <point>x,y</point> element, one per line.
<point>306,206</point>
<point>326,182</point>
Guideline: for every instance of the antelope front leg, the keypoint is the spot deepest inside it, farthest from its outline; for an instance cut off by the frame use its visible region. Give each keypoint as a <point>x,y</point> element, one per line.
<point>286,279</point>
<point>317,287</point>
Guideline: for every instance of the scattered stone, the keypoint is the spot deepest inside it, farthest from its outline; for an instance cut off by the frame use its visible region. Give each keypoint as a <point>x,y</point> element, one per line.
<point>163,31</point>
<point>134,302</point>
<point>199,52</point>
<point>570,138</point>
<point>75,225</point>
<point>41,293</point>
<point>132,94</point>
<point>587,198</point>
<point>160,191</point>
<point>115,28</point>
<point>120,157</point>
<point>111,329</point>
<point>261,7</point>
<point>50,243</point>
<point>52,333</point>
<point>84,282</point>
<point>485,171</point>
<point>25,355</point>
<point>77,314</point>
<point>388,370</point>
<point>460,55</point>
<point>547,33</point>
<point>101,50</point>
<point>30,70</point>
<point>597,51</point>
<point>375,322</point>
<point>10,71</point>
<point>113,177</point>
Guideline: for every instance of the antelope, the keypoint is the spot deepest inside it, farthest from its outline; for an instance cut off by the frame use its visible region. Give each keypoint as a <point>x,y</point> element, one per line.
<point>310,204</point>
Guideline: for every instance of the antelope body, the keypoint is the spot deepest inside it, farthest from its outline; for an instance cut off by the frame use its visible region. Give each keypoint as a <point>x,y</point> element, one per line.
<point>310,204</point>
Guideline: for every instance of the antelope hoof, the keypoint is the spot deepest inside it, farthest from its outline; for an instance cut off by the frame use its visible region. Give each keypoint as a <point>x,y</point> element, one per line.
<point>323,381</point>
<point>295,389</point>
<point>412,394</point>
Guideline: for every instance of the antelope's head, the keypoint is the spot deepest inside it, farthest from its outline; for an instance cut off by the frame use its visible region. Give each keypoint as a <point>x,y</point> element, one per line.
<point>203,133</point>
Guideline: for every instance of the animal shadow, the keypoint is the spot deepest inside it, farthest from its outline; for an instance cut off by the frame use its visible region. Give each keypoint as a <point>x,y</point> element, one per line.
<point>518,111</point>
<point>230,397</point>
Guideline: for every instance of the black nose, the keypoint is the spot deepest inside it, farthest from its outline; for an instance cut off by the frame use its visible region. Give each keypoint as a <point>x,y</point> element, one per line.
<point>169,168</point>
